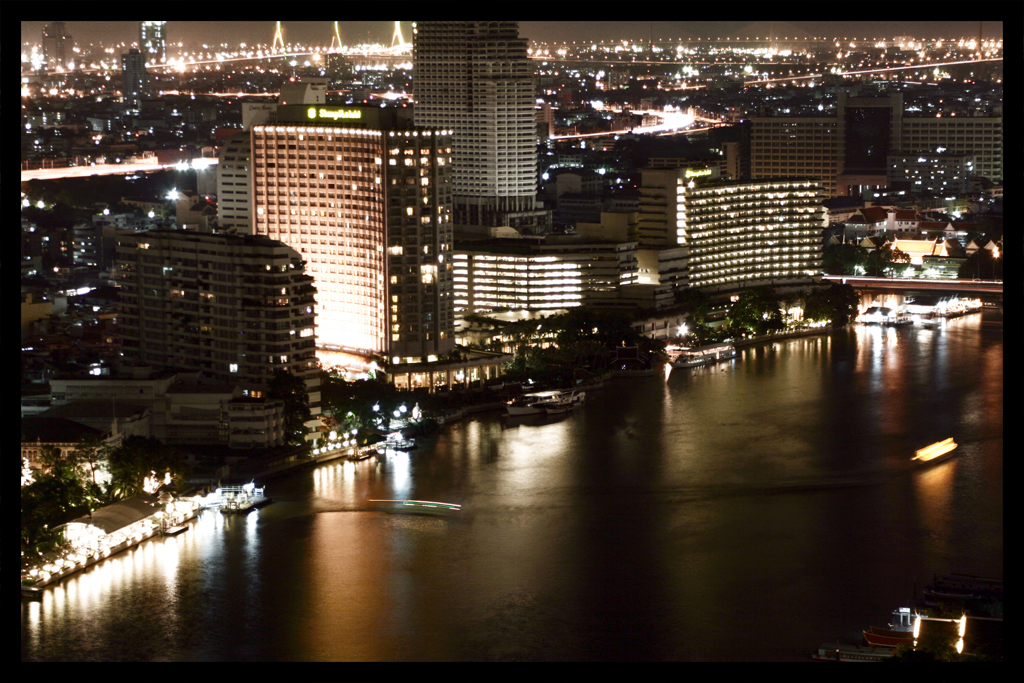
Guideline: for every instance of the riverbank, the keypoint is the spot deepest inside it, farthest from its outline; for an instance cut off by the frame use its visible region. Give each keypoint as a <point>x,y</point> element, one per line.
<point>263,471</point>
<point>62,567</point>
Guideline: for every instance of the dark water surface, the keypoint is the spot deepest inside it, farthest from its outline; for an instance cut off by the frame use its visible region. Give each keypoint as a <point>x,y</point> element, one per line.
<point>747,511</point>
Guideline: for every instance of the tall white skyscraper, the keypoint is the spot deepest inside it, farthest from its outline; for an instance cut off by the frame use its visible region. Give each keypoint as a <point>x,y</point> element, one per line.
<point>475,78</point>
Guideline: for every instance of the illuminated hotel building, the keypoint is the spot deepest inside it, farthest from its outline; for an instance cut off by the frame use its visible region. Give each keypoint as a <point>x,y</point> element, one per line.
<point>364,197</point>
<point>752,233</point>
<point>514,274</point>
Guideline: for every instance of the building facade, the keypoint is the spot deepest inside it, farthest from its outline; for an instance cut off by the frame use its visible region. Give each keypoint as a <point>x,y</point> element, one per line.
<point>153,41</point>
<point>744,234</point>
<point>849,150</point>
<point>56,44</point>
<point>235,307</point>
<point>942,174</point>
<point>528,275</point>
<point>475,78</point>
<point>980,136</point>
<point>135,79</point>
<point>234,181</point>
<point>421,315</point>
<point>365,198</point>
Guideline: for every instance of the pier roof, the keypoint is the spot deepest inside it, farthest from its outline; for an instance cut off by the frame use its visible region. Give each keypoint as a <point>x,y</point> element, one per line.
<point>122,513</point>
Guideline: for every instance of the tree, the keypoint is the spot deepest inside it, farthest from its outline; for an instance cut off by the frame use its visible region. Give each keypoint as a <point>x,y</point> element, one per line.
<point>695,304</point>
<point>139,457</point>
<point>982,265</point>
<point>843,259</point>
<point>291,390</point>
<point>836,302</point>
<point>757,310</point>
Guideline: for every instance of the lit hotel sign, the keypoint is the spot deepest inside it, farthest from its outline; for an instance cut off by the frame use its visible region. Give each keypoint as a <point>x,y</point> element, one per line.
<point>690,173</point>
<point>333,114</point>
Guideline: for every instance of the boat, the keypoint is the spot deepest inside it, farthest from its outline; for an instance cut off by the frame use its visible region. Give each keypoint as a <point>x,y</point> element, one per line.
<point>878,637</point>
<point>841,652</point>
<point>901,630</point>
<point>936,452</point>
<point>31,592</point>
<point>425,507</point>
<point>705,355</point>
<point>563,404</point>
<point>533,404</point>
<point>899,320</point>
<point>949,587</point>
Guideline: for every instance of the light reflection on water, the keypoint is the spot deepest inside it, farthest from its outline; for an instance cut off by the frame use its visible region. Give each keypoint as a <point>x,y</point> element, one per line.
<point>771,489</point>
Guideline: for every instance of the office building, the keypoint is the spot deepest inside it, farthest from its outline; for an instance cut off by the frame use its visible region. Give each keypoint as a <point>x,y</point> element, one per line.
<point>943,174</point>
<point>849,150</point>
<point>980,136</point>
<point>234,180</point>
<point>235,307</point>
<point>153,41</point>
<point>134,78</point>
<point>365,198</point>
<point>56,44</point>
<point>474,77</point>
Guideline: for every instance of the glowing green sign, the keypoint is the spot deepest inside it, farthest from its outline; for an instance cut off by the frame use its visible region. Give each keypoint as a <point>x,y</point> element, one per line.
<point>333,114</point>
<point>690,173</point>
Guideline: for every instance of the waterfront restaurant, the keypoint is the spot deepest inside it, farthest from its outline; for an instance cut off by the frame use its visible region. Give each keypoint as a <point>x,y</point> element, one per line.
<point>474,366</point>
<point>113,528</point>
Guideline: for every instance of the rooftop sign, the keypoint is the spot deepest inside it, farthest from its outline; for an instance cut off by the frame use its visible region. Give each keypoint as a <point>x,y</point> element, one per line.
<point>692,173</point>
<point>333,113</point>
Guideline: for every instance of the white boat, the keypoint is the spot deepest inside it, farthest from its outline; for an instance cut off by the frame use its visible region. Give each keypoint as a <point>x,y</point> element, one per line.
<point>691,358</point>
<point>563,404</point>
<point>527,403</point>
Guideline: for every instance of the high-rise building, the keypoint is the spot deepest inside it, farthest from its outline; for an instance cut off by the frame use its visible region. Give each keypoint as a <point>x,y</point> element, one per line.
<point>474,77</point>
<point>234,180</point>
<point>743,234</point>
<point>135,79</point>
<point>849,149</point>
<point>733,233</point>
<point>153,41</point>
<point>365,197</point>
<point>235,307</point>
<point>55,44</point>
<point>518,274</point>
<point>980,136</point>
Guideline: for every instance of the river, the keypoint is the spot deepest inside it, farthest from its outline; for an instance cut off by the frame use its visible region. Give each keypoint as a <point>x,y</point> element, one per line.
<point>747,511</point>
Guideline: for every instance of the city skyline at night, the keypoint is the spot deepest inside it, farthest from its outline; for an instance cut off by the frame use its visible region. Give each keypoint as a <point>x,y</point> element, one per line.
<point>193,34</point>
<point>512,341</point>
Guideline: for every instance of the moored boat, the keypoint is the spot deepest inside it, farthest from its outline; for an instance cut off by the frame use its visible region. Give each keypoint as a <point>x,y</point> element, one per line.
<point>901,630</point>
<point>840,652</point>
<point>563,404</point>
<point>881,640</point>
<point>948,587</point>
<point>691,358</point>
<point>538,403</point>
<point>527,403</point>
